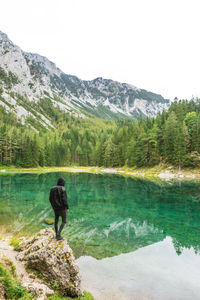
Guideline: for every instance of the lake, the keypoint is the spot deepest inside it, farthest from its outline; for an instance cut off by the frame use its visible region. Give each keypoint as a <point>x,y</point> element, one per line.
<point>135,235</point>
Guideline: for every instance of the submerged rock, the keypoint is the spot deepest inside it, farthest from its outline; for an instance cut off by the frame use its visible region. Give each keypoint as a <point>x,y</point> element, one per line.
<point>49,221</point>
<point>54,260</point>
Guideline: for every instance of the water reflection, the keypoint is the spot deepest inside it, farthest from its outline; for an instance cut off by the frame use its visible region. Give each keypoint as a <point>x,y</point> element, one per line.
<point>152,272</point>
<point>109,214</point>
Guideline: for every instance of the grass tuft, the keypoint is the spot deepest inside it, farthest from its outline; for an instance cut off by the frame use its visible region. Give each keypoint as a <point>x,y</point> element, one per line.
<point>13,288</point>
<point>15,243</point>
<point>10,267</point>
<point>57,296</point>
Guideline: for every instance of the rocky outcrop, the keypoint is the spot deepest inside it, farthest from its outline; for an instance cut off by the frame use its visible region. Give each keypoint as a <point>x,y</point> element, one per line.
<point>54,260</point>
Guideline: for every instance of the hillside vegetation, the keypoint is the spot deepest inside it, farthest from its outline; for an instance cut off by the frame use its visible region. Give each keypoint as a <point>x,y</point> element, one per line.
<point>172,137</point>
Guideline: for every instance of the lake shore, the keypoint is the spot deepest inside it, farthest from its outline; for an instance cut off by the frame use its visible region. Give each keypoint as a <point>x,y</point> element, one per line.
<point>157,172</point>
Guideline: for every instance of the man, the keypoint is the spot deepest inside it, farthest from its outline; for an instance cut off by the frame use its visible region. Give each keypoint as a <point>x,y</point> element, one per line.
<point>58,200</point>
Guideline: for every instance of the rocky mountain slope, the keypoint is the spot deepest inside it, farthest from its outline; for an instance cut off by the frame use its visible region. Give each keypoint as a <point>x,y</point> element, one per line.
<point>27,79</point>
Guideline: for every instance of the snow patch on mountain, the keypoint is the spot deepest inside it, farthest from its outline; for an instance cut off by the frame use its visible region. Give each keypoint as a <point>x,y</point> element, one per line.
<point>36,78</point>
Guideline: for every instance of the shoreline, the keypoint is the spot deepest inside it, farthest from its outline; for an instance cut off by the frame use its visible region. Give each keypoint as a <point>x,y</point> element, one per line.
<point>156,173</point>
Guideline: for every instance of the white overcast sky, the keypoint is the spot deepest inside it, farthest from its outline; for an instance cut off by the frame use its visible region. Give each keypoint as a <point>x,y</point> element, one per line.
<point>152,44</point>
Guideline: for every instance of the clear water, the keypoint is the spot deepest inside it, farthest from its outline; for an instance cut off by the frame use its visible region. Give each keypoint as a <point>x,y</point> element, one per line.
<point>109,214</point>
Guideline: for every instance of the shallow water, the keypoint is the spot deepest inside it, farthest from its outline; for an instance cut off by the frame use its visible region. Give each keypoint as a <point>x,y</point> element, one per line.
<point>145,235</point>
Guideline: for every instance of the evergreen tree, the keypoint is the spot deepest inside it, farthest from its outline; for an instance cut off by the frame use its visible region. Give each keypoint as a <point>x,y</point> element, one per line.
<point>170,138</point>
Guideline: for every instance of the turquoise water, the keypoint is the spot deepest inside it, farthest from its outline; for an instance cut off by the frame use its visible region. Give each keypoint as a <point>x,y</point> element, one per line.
<point>109,214</point>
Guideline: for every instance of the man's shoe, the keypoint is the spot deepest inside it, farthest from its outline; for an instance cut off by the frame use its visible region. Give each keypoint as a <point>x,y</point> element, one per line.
<point>59,238</point>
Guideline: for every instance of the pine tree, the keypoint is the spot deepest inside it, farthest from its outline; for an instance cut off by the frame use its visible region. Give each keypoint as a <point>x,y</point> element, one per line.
<point>192,122</point>
<point>170,138</point>
<point>180,146</point>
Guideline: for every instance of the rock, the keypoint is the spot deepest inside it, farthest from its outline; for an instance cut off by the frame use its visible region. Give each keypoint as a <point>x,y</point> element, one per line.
<point>49,221</point>
<point>38,290</point>
<point>54,260</point>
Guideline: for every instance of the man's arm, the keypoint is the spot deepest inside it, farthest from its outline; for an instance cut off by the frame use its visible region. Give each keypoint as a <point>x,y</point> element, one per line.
<point>66,206</point>
<point>51,197</point>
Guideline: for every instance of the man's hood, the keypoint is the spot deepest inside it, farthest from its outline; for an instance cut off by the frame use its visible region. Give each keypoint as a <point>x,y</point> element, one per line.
<point>61,181</point>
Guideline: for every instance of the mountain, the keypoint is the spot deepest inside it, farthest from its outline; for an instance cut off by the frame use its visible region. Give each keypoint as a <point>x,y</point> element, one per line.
<point>27,80</point>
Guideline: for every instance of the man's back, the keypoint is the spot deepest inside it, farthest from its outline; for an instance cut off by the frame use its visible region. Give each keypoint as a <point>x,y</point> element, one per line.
<point>58,197</point>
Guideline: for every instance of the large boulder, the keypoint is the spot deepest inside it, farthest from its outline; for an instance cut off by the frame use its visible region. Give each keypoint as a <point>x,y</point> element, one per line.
<point>54,260</point>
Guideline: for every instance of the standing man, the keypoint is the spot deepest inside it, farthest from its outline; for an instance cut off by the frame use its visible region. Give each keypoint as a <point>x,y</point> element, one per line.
<point>58,200</point>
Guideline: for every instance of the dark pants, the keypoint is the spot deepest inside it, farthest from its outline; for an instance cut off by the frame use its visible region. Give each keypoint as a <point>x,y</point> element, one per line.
<point>62,214</point>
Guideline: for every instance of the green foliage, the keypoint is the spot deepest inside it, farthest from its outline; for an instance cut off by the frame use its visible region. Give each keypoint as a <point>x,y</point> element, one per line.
<point>57,296</point>
<point>55,283</point>
<point>13,288</point>
<point>10,266</point>
<point>15,243</point>
<point>192,159</point>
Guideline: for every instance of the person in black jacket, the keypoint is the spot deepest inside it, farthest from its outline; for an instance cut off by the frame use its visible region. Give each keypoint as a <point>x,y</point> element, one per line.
<point>58,200</point>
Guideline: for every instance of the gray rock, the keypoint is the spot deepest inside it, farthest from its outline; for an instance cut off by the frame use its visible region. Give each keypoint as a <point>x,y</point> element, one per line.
<point>54,260</point>
<point>38,291</point>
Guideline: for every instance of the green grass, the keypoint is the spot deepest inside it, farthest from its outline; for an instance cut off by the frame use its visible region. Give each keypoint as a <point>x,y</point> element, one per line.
<point>13,288</point>
<point>15,243</point>
<point>10,266</point>
<point>57,296</point>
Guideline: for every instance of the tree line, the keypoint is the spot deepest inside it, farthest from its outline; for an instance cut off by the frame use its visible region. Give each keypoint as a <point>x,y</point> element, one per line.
<point>172,137</point>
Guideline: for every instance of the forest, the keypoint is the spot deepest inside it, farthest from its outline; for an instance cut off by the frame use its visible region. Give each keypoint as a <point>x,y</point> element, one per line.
<point>171,138</point>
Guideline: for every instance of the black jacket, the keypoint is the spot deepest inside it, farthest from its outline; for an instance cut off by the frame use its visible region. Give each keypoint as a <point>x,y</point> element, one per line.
<point>58,196</point>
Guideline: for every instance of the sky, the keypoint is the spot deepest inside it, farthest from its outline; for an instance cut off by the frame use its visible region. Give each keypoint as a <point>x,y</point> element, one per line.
<point>151,44</point>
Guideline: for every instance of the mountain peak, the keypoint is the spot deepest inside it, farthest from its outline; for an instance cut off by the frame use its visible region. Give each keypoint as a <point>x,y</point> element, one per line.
<point>33,77</point>
<point>98,79</point>
<point>3,36</point>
